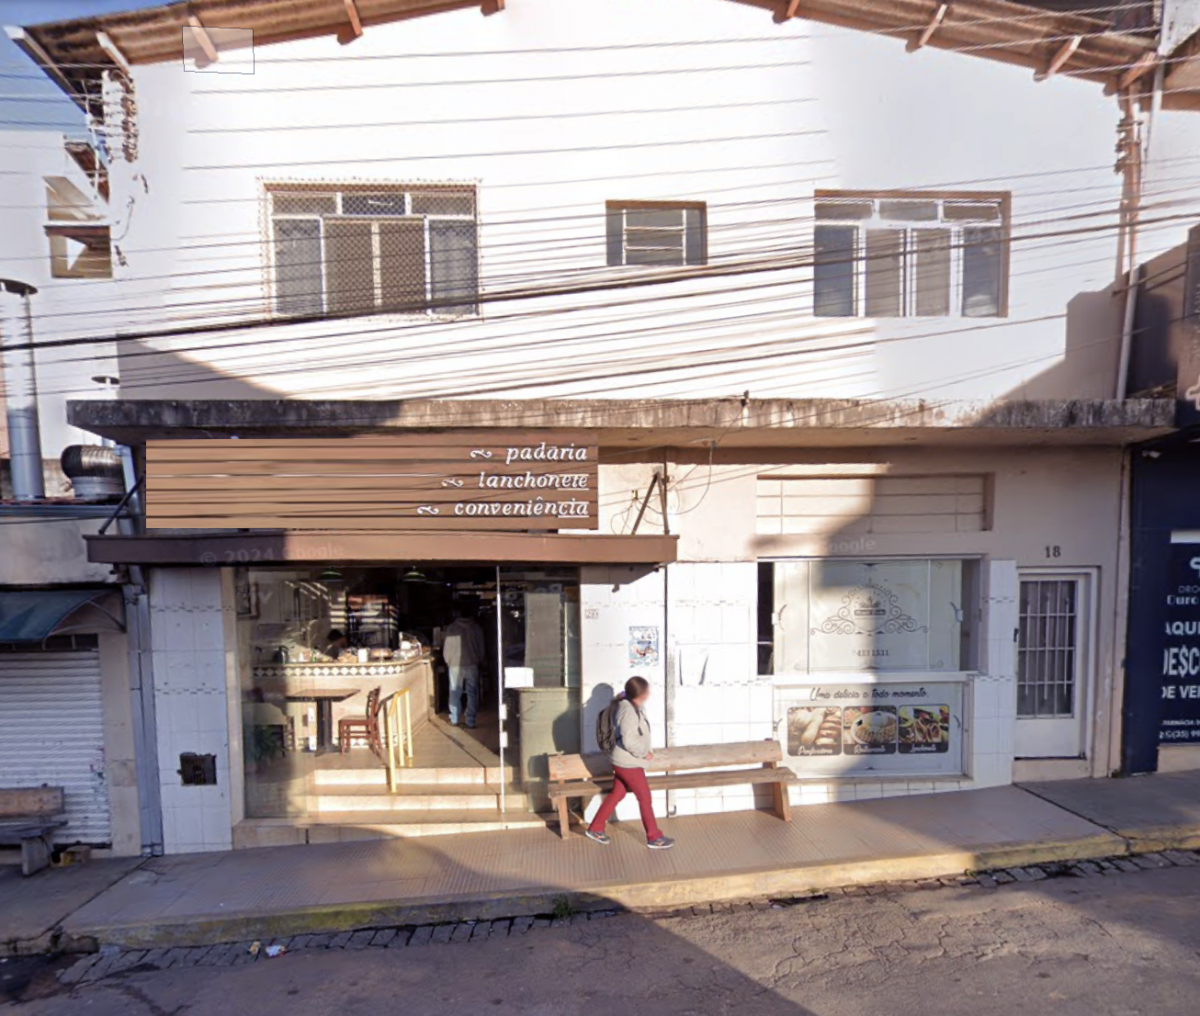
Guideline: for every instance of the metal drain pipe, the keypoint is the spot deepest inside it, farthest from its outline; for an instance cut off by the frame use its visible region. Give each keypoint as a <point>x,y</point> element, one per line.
<point>20,384</point>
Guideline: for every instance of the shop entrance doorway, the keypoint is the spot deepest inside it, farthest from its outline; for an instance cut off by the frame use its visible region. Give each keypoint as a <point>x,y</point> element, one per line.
<point>315,644</point>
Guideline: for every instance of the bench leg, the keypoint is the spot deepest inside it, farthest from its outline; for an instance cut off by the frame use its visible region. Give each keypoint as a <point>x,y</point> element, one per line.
<point>779,795</point>
<point>35,854</point>
<point>783,804</point>
<point>564,818</point>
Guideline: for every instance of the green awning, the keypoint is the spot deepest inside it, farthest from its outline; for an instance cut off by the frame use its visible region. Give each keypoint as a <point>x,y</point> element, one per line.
<point>34,615</point>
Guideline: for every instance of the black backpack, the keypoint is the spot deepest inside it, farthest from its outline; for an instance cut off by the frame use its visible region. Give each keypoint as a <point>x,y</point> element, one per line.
<point>606,726</point>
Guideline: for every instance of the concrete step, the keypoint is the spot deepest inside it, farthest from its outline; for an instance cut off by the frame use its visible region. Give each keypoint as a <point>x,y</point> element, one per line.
<point>377,776</point>
<point>332,826</point>
<point>416,797</point>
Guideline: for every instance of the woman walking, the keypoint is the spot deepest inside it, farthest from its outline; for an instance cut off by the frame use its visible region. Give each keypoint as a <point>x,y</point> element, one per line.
<point>627,732</point>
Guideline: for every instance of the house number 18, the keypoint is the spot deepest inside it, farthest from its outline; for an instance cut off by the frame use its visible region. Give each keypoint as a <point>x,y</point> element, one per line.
<point>1054,551</point>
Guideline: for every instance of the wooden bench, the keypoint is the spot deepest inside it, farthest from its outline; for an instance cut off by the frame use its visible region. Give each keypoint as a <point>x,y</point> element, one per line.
<point>28,817</point>
<point>584,776</point>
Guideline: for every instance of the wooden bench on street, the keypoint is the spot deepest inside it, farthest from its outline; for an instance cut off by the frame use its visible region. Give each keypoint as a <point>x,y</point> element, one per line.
<point>584,776</point>
<point>28,817</point>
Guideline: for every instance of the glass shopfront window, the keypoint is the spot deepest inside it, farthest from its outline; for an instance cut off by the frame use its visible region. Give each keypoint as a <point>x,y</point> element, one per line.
<point>874,616</point>
<point>321,651</point>
<point>870,662</point>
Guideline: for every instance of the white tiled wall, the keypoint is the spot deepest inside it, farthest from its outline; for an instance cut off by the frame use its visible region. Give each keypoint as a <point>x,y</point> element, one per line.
<point>711,605</point>
<point>189,652</point>
<point>612,600</point>
<point>995,699</point>
<point>713,622</point>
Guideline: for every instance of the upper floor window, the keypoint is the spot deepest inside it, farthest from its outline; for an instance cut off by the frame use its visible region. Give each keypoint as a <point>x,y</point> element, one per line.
<point>910,254</point>
<point>657,233</point>
<point>349,250</point>
<point>79,250</point>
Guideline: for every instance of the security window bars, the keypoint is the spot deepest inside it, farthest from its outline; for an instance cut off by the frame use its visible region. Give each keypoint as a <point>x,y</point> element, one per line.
<point>910,255</point>
<point>1047,648</point>
<point>657,233</point>
<point>356,250</point>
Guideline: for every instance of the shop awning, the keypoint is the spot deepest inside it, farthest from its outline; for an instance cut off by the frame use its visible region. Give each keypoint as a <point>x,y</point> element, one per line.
<point>34,615</point>
<point>359,547</point>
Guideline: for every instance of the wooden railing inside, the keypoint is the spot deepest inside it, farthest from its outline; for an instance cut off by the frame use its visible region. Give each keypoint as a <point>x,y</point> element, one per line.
<point>397,735</point>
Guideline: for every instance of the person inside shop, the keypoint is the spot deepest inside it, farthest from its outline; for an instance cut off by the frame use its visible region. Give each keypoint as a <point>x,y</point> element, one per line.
<point>463,649</point>
<point>336,643</point>
<point>623,731</point>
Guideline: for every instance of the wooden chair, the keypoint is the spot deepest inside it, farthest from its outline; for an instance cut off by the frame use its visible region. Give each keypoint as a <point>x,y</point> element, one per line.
<point>367,726</point>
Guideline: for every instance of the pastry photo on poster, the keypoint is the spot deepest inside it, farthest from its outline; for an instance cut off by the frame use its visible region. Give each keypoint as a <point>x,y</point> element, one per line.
<point>643,647</point>
<point>814,731</point>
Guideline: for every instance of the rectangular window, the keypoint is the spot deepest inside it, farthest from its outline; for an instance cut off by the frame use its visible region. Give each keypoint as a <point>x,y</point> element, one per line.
<point>840,616</point>
<point>869,662</point>
<point>79,250</point>
<point>1047,647</point>
<point>918,255</point>
<point>387,249</point>
<point>657,233</point>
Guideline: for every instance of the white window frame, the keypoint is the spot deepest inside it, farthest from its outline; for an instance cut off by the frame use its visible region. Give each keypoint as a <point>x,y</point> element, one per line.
<point>339,192</point>
<point>956,227</point>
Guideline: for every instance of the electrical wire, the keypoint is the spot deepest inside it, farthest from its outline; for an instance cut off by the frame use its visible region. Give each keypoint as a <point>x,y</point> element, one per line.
<point>766,265</point>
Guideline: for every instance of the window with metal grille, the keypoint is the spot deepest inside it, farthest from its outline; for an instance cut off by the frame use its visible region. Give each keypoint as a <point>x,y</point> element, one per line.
<point>657,233</point>
<point>910,255</point>
<point>353,250</point>
<point>1047,648</point>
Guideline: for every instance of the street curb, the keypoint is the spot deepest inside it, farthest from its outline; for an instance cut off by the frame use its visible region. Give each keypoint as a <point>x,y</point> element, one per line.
<point>647,896</point>
<point>1153,839</point>
<point>113,961</point>
<point>53,941</point>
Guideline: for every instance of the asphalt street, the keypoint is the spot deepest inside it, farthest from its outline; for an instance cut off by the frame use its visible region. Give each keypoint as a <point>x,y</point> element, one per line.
<point>1123,945</point>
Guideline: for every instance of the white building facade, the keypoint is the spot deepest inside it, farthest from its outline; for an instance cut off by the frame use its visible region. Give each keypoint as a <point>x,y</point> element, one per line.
<point>839,319</point>
<point>69,684</point>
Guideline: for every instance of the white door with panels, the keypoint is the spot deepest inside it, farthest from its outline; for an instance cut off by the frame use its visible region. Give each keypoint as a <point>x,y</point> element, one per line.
<point>1054,659</point>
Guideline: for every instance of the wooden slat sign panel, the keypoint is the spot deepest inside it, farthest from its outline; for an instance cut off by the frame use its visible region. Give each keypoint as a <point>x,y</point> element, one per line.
<point>494,480</point>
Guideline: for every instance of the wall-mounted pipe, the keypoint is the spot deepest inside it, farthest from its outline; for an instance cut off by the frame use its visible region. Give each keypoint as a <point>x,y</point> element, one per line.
<point>1131,295</point>
<point>20,390</point>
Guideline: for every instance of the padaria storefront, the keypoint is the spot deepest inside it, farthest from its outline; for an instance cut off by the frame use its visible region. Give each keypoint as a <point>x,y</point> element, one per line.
<point>904,620</point>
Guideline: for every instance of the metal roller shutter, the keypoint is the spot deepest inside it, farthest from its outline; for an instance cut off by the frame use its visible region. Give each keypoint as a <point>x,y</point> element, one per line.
<point>53,733</point>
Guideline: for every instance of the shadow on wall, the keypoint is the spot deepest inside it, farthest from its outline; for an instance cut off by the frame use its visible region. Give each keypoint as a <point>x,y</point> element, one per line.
<point>151,373</point>
<point>1090,362</point>
<point>852,608</point>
